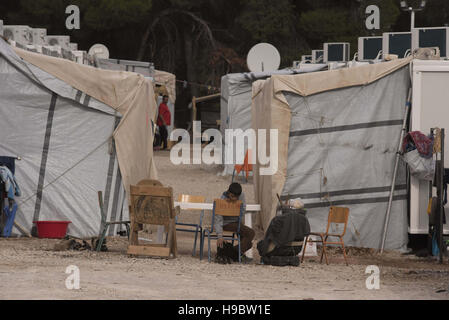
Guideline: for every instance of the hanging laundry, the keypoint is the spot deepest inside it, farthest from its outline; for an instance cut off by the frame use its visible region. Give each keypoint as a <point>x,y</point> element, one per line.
<point>418,140</point>
<point>11,186</point>
<point>10,213</point>
<point>8,162</point>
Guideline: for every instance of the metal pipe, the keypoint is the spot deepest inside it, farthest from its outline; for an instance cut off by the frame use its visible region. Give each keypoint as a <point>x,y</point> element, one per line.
<point>441,198</point>
<point>398,154</point>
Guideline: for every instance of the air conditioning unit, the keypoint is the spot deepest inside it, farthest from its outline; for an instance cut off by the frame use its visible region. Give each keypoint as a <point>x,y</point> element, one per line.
<point>61,41</point>
<point>73,46</point>
<point>54,51</point>
<point>67,54</point>
<point>39,35</point>
<point>80,57</point>
<point>317,56</point>
<point>46,50</point>
<point>369,48</point>
<point>19,45</point>
<point>306,59</point>
<point>1,27</point>
<point>397,43</point>
<point>431,37</point>
<point>296,64</point>
<point>38,48</point>
<point>90,60</point>
<point>20,34</point>
<point>336,52</point>
<point>31,47</point>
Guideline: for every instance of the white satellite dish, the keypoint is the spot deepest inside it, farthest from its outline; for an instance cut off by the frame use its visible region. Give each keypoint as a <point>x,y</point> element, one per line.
<point>263,57</point>
<point>100,51</point>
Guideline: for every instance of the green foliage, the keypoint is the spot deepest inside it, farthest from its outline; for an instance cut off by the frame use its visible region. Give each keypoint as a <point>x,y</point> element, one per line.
<point>323,25</point>
<point>114,14</point>
<point>265,20</point>
<point>201,40</point>
<point>389,12</point>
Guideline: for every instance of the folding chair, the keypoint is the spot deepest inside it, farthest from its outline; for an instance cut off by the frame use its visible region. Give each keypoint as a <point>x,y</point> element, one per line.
<point>226,209</point>
<point>105,225</point>
<point>246,167</point>
<point>337,215</point>
<point>198,227</point>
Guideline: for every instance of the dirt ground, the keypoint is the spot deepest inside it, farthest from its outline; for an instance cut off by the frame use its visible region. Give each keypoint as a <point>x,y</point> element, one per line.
<point>31,269</point>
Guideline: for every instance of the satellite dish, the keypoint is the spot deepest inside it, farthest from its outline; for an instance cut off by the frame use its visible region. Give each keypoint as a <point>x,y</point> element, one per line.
<point>263,57</point>
<point>99,51</point>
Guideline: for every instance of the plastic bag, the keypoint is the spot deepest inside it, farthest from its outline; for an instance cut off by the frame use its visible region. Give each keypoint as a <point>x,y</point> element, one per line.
<point>421,168</point>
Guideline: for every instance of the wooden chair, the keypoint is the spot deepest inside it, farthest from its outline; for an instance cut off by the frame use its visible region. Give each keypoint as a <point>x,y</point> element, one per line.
<point>246,167</point>
<point>337,215</point>
<point>152,205</point>
<point>226,209</point>
<point>198,227</point>
<point>147,182</point>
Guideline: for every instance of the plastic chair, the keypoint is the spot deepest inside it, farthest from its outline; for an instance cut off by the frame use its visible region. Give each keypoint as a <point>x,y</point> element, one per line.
<point>226,209</point>
<point>246,167</point>
<point>198,227</point>
<point>337,215</point>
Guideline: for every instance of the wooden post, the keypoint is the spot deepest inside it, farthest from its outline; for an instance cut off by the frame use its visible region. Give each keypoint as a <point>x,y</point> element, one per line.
<point>193,110</point>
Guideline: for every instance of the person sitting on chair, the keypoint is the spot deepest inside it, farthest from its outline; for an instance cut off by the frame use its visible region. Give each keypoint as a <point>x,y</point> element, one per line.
<point>230,224</point>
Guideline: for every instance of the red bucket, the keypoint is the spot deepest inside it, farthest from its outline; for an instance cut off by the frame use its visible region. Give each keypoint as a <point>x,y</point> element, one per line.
<point>52,229</point>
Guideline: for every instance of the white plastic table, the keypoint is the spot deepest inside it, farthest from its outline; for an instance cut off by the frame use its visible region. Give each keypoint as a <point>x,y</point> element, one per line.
<point>250,208</point>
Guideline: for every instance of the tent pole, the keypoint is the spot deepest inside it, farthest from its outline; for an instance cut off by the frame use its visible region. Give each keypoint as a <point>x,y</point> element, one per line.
<point>22,230</point>
<point>398,154</point>
<point>441,247</point>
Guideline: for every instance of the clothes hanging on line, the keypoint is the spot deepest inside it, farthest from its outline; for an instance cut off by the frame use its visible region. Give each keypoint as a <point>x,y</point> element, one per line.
<point>10,214</point>
<point>418,140</point>
<point>12,188</point>
<point>9,162</point>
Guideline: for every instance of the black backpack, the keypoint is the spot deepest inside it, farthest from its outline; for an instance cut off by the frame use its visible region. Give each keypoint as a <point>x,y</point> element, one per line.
<point>227,254</point>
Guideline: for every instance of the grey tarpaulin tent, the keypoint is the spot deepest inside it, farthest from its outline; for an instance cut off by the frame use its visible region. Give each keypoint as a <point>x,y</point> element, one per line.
<point>78,130</point>
<point>236,91</point>
<point>338,136</point>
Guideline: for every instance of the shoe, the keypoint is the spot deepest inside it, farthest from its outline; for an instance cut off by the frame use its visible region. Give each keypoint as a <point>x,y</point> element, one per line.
<point>246,260</point>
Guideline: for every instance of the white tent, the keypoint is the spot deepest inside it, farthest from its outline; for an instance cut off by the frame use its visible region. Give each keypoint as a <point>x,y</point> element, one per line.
<point>78,130</point>
<point>236,90</point>
<point>338,137</point>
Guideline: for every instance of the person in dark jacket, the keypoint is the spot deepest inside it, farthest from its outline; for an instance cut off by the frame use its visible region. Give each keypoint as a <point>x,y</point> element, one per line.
<point>230,224</point>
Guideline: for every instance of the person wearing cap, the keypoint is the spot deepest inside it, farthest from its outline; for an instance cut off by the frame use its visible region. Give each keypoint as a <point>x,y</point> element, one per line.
<point>230,224</point>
